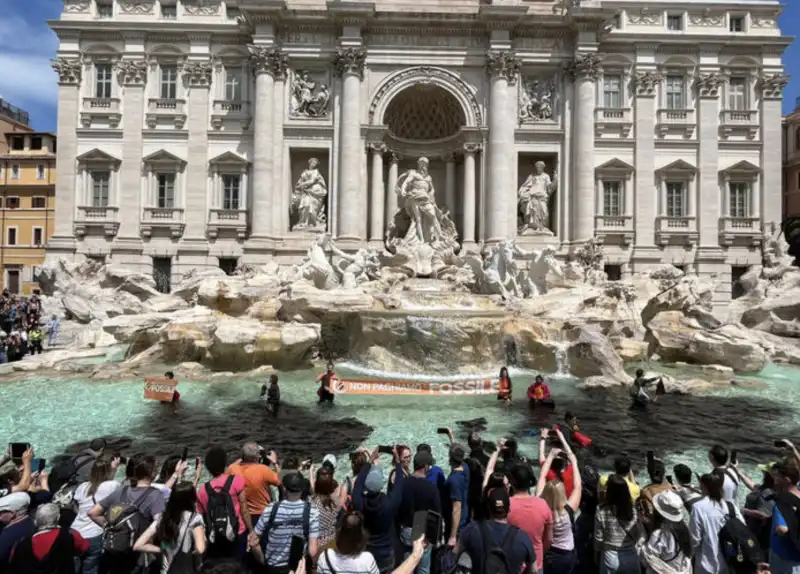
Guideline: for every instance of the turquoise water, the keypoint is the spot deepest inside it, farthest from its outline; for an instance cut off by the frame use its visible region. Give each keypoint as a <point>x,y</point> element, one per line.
<point>53,414</point>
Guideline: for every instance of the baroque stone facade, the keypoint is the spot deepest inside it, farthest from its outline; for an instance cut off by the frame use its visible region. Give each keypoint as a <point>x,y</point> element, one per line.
<point>209,133</point>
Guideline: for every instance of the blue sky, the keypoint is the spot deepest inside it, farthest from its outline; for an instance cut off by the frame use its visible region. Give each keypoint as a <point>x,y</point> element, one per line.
<point>27,44</point>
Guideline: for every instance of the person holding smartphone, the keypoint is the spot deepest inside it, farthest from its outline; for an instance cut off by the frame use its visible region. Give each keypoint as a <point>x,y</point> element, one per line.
<point>14,480</point>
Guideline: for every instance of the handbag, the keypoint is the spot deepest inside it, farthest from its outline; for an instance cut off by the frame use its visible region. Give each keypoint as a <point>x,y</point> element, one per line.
<point>185,562</point>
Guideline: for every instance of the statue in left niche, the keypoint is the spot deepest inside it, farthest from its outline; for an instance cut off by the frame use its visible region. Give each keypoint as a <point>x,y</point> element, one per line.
<point>308,199</point>
<point>308,98</point>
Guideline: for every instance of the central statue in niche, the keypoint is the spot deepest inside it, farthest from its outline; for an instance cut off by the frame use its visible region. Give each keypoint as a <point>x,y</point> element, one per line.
<point>420,233</point>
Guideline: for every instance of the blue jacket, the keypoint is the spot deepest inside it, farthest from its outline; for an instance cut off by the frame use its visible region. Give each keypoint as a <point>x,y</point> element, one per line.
<point>380,511</point>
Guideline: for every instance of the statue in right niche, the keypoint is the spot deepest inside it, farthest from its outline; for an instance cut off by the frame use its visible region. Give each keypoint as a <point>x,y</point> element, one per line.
<point>533,199</point>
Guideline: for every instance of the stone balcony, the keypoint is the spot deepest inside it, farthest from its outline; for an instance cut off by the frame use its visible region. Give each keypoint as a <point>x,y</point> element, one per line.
<point>676,230</point>
<point>740,229</point>
<point>231,113</point>
<point>676,121</point>
<point>165,111</point>
<point>100,110</point>
<point>618,228</point>
<point>739,122</point>
<point>613,119</point>
<point>166,218</point>
<point>222,221</point>
<point>90,218</point>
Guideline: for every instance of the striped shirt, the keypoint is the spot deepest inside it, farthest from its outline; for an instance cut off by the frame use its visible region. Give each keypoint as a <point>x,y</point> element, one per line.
<point>288,523</point>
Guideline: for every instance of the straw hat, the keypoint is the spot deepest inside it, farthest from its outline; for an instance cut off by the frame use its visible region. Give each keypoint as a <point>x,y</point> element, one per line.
<point>669,505</point>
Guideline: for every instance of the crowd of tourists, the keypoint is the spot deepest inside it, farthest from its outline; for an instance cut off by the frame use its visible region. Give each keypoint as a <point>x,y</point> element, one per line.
<point>22,327</point>
<point>490,510</point>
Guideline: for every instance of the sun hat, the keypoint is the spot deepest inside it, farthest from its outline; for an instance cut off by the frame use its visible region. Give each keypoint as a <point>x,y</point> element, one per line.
<point>330,460</point>
<point>669,505</point>
<point>15,502</point>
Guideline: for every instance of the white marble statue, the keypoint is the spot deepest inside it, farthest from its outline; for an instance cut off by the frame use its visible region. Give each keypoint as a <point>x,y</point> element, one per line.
<point>420,232</point>
<point>353,270</point>
<point>308,199</point>
<point>536,101</point>
<point>348,272</point>
<point>308,100</point>
<point>500,274</point>
<point>775,248</point>
<point>533,200</point>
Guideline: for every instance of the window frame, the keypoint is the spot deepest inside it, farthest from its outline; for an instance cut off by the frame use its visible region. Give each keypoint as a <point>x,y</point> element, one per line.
<point>168,85</point>
<point>15,171</point>
<point>105,11</point>
<point>8,200</point>
<point>40,141</point>
<point>40,229</point>
<point>745,85</point>
<point>745,189</point>
<point>683,92</point>
<point>14,140</point>
<point>43,197</point>
<point>225,203</point>
<point>174,187</point>
<point>41,172</point>
<point>620,200</point>
<point>609,94</point>
<point>736,18</point>
<point>672,18</point>
<point>93,183</point>
<point>234,71</point>
<point>684,191</point>
<point>173,11</point>
<point>103,82</point>
<point>15,229</point>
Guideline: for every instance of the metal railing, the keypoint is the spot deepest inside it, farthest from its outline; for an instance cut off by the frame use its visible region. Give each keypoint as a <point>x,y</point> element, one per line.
<point>14,113</point>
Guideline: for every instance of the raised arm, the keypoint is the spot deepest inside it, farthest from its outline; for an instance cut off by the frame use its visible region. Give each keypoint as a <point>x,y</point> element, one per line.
<point>574,500</point>
<point>543,446</point>
<point>544,470</point>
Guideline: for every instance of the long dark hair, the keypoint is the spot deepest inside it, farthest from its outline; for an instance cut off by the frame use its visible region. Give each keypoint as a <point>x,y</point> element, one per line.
<point>101,471</point>
<point>182,499</point>
<point>711,484</point>
<point>618,498</point>
<point>324,487</point>
<point>504,374</point>
<point>168,468</point>
<point>683,537</point>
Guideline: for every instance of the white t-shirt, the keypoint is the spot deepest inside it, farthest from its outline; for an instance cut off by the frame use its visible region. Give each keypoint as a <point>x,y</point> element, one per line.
<point>730,486</point>
<point>189,521</point>
<point>331,562</point>
<point>82,524</point>
<point>163,488</point>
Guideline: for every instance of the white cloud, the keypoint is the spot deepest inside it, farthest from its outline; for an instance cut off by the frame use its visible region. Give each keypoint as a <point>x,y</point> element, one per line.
<point>25,53</point>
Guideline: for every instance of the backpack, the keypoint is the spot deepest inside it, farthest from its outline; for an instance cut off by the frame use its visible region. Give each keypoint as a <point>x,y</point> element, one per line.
<point>66,484</point>
<point>789,506</point>
<point>497,560</point>
<point>184,562</point>
<point>222,524</point>
<point>739,546</point>
<point>124,523</point>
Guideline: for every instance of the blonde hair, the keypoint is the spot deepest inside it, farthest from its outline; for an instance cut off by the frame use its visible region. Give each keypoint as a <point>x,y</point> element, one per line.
<point>555,496</point>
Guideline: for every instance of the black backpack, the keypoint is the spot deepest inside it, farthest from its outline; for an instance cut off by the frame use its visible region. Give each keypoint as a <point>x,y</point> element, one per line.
<point>222,524</point>
<point>738,545</point>
<point>125,523</point>
<point>496,560</point>
<point>789,506</point>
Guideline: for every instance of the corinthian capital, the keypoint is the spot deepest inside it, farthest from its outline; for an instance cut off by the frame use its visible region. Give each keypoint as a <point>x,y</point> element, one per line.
<point>350,60</point>
<point>708,84</point>
<point>132,72</point>
<point>268,60</point>
<point>502,63</point>
<point>198,73</point>
<point>646,82</point>
<point>772,85</point>
<point>68,70</point>
<point>588,65</point>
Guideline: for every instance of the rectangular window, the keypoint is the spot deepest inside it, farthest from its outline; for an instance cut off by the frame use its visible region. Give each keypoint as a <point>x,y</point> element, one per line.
<point>612,198</point>
<point>12,202</point>
<point>18,143</point>
<point>233,84</point>
<point>40,171</point>
<point>232,12</point>
<point>38,236</point>
<point>739,199</point>
<point>101,181</point>
<point>12,236</point>
<point>676,199</point>
<point>102,78</point>
<point>737,94</point>
<point>674,93</point>
<point>231,185</point>
<point>15,171</point>
<point>228,264</point>
<point>105,10</point>
<point>612,92</point>
<point>674,22</point>
<point>38,202</point>
<point>169,12</point>
<point>169,82</point>
<point>166,190</point>
<point>737,24</point>
<point>36,142</point>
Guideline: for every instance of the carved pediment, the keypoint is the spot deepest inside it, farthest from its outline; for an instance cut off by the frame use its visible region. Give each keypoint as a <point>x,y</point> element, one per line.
<point>616,166</point>
<point>229,158</point>
<point>743,167</point>
<point>163,156</point>
<point>97,156</point>
<point>677,166</point>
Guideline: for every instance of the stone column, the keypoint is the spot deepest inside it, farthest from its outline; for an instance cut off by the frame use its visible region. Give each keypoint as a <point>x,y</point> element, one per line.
<point>450,184</point>
<point>391,182</point>
<point>500,211</point>
<point>585,70</point>
<point>280,192</point>
<point>770,204</point>
<point>265,61</point>
<point>69,80</point>
<point>197,76</point>
<point>377,192</point>
<point>708,213</point>
<point>468,214</point>
<point>755,197</point>
<point>352,196</point>
<point>646,85</point>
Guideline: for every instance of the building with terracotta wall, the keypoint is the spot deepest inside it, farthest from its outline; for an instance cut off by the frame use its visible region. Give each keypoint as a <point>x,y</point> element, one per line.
<point>12,119</point>
<point>27,187</point>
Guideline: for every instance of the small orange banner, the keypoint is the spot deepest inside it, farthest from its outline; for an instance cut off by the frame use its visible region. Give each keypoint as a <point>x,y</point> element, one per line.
<point>395,387</point>
<point>159,389</point>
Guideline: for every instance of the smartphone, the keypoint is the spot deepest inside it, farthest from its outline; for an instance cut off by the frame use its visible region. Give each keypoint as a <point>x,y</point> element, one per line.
<point>420,524</point>
<point>386,449</point>
<point>185,455</point>
<point>296,551</point>
<point>780,443</point>
<point>441,430</point>
<point>38,464</point>
<point>435,525</point>
<point>734,456</point>
<point>18,449</point>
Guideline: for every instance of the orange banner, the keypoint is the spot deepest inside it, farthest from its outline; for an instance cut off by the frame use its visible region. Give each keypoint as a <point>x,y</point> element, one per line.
<point>396,387</point>
<point>159,389</point>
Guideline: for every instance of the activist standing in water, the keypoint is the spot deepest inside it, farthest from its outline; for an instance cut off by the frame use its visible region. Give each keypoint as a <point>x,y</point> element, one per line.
<point>505,390</point>
<point>272,395</point>
<point>539,394</point>
<point>176,396</point>
<point>638,393</point>
<point>325,379</point>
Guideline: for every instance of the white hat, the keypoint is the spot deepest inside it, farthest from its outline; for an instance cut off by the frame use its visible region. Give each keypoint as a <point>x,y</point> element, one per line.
<point>329,458</point>
<point>15,502</point>
<point>669,505</point>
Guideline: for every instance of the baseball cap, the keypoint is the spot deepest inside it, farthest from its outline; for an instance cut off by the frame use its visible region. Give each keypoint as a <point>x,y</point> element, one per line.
<point>15,502</point>
<point>498,501</point>
<point>293,482</point>
<point>766,467</point>
<point>374,480</point>
<point>422,459</point>
<point>457,453</point>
